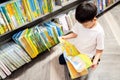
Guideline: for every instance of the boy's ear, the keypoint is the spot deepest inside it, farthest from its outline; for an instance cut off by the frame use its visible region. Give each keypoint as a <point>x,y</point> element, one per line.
<point>94,19</point>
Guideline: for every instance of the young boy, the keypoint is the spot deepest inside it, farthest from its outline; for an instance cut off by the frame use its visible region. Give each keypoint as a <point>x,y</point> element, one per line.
<point>89,33</point>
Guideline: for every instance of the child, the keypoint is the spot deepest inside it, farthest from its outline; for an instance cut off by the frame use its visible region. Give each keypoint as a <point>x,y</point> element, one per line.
<point>89,33</point>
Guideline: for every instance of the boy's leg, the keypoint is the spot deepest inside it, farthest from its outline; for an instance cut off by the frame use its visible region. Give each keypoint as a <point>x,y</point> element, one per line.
<point>62,60</point>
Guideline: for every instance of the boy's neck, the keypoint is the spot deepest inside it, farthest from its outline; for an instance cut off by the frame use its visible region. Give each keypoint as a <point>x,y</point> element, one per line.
<point>89,25</point>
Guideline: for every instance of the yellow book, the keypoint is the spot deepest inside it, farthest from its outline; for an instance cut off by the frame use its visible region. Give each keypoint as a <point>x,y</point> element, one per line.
<point>1,29</point>
<point>45,6</point>
<point>74,74</point>
<point>8,28</point>
<point>40,31</point>
<point>5,12</point>
<point>37,8</point>
<point>34,48</point>
<point>12,14</point>
<point>29,8</point>
<point>33,8</point>
<point>17,14</point>
<point>25,44</point>
<point>77,62</point>
<point>50,39</point>
<point>70,49</point>
<point>27,11</point>
<point>2,23</point>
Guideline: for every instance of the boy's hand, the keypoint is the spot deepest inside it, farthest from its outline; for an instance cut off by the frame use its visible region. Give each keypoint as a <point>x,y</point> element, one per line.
<point>63,37</point>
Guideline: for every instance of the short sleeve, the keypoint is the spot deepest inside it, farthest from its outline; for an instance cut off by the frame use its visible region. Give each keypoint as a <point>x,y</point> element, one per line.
<point>73,29</point>
<point>100,41</point>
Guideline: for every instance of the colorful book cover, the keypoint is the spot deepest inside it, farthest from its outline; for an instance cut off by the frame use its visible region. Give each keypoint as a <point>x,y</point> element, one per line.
<point>45,6</point>
<point>77,62</point>
<point>73,73</point>
<point>16,36</point>
<point>19,3</point>
<point>27,10</point>
<point>44,36</point>
<point>19,12</point>
<point>3,8</point>
<point>25,44</point>
<point>32,8</point>
<point>50,5</point>
<point>60,29</point>
<point>52,31</point>
<point>2,22</point>
<point>43,41</point>
<point>40,2</point>
<point>12,14</point>
<point>30,42</point>
<point>1,29</point>
<point>35,40</point>
<point>38,39</point>
<point>51,41</point>
<point>37,8</point>
<point>6,22</point>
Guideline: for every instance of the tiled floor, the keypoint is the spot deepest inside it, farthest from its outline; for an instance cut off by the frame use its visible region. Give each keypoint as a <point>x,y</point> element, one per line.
<point>46,65</point>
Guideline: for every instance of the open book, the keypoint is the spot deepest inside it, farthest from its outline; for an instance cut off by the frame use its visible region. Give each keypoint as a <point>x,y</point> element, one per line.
<point>78,65</point>
<point>77,62</point>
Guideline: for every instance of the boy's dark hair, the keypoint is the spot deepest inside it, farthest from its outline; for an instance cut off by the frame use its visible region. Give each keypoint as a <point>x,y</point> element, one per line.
<point>86,11</point>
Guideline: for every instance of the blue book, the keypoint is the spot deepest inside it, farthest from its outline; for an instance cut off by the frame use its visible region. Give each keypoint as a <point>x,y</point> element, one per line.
<point>41,5</point>
<point>19,6</point>
<point>16,36</point>
<point>59,32</point>
<point>32,5</point>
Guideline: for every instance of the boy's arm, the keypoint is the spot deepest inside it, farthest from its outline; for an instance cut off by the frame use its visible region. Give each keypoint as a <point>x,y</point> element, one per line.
<point>71,35</point>
<point>96,58</point>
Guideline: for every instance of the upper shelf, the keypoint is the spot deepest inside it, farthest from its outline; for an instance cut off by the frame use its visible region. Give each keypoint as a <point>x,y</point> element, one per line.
<point>59,10</point>
<point>65,8</point>
<point>108,8</point>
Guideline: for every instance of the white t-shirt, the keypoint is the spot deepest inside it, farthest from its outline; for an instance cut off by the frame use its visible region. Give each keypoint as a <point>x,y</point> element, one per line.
<point>88,39</point>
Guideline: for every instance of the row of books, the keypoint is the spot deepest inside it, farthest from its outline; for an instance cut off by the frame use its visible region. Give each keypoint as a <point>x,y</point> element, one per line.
<point>12,56</point>
<point>34,41</point>
<point>66,20</point>
<point>39,38</point>
<point>103,4</point>
<point>14,14</point>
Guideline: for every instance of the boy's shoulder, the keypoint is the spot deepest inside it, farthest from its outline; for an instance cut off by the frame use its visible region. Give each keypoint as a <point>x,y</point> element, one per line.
<point>98,28</point>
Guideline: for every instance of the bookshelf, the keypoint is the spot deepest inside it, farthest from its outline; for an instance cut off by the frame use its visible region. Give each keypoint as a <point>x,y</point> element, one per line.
<point>108,8</point>
<point>6,37</point>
